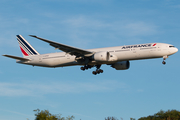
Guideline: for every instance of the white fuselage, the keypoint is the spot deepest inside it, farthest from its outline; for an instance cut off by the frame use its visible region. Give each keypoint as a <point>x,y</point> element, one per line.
<point>119,53</point>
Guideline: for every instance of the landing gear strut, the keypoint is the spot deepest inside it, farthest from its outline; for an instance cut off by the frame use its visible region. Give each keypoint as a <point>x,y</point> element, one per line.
<point>164,58</point>
<point>98,70</point>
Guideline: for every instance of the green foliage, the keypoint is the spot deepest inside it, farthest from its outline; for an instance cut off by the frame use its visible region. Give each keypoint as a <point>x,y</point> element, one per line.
<point>132,119</point>
<point>111,118</point>
<point>162,115</point>
<point>45,115</point>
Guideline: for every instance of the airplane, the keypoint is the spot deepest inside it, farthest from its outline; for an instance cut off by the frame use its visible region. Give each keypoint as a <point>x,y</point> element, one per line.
<point>117,57</point>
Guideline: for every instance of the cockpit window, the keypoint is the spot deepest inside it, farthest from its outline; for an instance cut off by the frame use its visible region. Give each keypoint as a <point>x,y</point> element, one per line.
<point>171,46</point>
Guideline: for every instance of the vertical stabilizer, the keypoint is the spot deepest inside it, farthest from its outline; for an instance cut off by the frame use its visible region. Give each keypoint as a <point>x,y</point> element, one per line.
<point>26,48</point>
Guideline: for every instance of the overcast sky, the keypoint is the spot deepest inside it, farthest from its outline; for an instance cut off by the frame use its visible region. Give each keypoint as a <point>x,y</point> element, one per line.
<point>144,89</point>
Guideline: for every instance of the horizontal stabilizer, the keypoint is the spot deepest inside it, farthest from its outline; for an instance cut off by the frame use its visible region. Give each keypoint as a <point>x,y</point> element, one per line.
<point>17,58</point>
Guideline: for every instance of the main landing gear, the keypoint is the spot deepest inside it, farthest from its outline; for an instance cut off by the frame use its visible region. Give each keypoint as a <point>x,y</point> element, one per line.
<point>164,58</point>
<point>86,67</point>
<point>98,70</point>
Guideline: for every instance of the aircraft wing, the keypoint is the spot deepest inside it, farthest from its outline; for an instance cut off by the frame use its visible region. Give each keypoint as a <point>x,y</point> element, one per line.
<point>66,48</point>
<point>17,58</point>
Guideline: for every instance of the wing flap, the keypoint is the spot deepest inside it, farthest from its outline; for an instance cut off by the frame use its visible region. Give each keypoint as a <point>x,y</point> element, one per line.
<point>17,58</point>
<point>68,49</point>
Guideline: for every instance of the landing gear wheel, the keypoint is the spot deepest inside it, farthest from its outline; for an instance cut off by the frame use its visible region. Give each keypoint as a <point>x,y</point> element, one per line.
<point>101,71</point>
<point>86,67</point>
<point>163,62</point>
<point>82,68</point>
<point>97,71</point>
<point>94,72</point>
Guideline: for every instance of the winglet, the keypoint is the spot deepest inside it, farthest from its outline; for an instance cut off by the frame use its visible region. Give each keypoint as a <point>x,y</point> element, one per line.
<point>33,35</point>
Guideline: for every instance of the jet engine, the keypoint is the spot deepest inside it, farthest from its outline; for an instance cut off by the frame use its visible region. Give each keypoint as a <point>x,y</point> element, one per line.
<point>101,56</point>
<point>123,65</point>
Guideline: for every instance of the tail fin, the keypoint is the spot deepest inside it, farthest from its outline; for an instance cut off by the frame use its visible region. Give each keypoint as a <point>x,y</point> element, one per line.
<point>26,48</point>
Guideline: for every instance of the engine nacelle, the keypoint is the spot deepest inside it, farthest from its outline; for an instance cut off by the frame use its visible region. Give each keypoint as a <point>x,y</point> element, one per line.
<point>124,65</point>
<point>101,56</point>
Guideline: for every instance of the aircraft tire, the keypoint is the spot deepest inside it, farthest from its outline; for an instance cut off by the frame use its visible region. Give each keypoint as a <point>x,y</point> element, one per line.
<point>163,62</point>
<point>82,68</point>
<point>101,71</point>
<point>94,72</point>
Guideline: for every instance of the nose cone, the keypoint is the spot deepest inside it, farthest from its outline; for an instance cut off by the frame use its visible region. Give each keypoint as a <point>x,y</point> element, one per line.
<point>176,50</point>
<point>172,49</point>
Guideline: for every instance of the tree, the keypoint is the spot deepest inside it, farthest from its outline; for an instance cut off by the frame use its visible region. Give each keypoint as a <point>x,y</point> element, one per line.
<point>46,115</point>
<point>132,119</point>
<point>162,115</point>
<point>111,118</point>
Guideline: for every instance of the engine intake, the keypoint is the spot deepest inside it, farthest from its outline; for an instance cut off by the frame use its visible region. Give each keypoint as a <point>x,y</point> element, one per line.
<point>123,65</point>
<point>101,56</point>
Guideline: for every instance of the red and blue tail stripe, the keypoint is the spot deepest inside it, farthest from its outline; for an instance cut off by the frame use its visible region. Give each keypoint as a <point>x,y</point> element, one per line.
<point>25,47</point>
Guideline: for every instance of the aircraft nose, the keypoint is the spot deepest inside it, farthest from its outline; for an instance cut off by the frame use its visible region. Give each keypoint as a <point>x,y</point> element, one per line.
<point>176,49</point>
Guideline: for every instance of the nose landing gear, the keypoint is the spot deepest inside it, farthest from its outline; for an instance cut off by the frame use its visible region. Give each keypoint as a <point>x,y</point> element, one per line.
<point>164,58</point>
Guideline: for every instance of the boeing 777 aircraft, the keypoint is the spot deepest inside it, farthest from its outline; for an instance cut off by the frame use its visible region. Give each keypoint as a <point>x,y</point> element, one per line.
<point>117,57</point>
